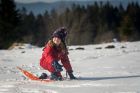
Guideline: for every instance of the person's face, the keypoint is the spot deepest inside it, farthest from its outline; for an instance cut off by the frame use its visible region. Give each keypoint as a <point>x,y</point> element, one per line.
<point>56,40</point>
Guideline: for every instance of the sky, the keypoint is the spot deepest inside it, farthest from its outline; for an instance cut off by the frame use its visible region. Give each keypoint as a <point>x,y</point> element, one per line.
<point>28,1</point>
<point>50,1</point>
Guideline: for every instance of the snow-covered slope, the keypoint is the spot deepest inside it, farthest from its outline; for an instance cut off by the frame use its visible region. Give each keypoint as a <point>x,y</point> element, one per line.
<point>100,70</point>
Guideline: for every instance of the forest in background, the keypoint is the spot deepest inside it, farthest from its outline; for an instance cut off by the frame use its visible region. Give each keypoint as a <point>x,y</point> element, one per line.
<point>91,24</point>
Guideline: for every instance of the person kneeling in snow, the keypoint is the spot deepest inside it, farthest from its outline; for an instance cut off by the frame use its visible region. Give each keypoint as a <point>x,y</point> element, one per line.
<point>54,51</point>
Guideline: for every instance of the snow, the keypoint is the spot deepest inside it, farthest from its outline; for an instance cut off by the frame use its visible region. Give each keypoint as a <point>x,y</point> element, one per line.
<point>100,70</point>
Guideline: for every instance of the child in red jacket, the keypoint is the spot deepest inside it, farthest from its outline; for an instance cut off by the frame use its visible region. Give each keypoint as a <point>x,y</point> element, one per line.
<point>54,51</point>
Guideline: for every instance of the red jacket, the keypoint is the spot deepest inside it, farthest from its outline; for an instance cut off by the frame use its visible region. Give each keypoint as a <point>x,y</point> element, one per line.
<point>52,53</point>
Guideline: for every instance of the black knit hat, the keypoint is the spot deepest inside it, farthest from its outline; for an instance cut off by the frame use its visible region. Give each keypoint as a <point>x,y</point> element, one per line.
<point>60,33</point>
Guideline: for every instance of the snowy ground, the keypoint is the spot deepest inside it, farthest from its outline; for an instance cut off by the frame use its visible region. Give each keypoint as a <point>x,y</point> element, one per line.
<point>100,70</point>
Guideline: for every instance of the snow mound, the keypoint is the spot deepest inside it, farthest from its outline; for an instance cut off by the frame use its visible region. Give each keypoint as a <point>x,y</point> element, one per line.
<point>21,46</point>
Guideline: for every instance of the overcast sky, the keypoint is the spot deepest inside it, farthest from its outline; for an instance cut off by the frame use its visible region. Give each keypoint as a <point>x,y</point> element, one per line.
<point>27,1</point>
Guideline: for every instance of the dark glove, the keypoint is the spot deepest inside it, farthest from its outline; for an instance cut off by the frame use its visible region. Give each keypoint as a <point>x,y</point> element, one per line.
<point>71,75</point>
<point>57,66</point>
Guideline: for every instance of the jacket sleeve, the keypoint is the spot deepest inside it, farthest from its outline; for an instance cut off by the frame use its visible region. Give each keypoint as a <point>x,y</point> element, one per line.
<point>48,54</point>
<point>48,57</point>
<point>66,63</point>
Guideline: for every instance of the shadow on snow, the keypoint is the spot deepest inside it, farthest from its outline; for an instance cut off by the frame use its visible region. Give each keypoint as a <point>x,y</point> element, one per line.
<point>106,78</point>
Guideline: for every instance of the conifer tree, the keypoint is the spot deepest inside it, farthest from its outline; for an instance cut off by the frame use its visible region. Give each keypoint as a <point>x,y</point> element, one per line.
<point>9,20</point>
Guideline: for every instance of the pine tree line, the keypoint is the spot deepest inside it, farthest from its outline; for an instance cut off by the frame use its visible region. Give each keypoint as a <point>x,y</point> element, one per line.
<point>9,20</point>
<point>89,24</point>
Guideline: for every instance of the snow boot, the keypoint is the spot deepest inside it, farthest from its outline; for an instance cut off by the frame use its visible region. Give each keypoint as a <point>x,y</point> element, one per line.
<point>54,76</point>
<point>43,76</point>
